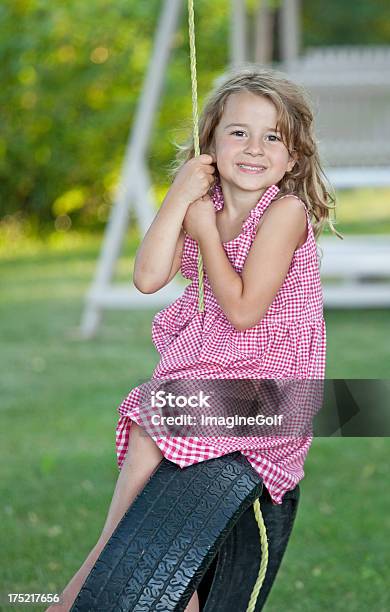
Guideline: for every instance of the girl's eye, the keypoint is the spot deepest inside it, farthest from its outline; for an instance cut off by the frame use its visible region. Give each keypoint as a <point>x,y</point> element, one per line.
<point>273,137</point>
<point>269,135</point>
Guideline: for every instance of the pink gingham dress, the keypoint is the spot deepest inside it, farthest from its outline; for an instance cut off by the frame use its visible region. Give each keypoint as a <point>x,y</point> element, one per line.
<point>288,343</point>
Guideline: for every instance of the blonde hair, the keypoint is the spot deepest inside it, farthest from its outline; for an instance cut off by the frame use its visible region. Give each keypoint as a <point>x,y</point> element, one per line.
<point>307,179</point>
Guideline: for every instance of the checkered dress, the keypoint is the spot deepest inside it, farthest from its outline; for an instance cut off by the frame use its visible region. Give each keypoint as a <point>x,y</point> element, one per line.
<point>288,343</point>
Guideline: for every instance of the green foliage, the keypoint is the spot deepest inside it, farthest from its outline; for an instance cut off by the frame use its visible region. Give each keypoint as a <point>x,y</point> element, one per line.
<point>349,22</point>
<point>72,75</point>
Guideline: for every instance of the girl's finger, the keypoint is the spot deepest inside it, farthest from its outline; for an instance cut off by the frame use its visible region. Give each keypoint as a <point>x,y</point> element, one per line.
<point>206,158</point>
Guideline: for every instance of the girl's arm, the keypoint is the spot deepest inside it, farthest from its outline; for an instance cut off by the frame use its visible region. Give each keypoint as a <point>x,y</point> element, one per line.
<point>245,299</point>
<point>158,257</point>
<point>177,258</point>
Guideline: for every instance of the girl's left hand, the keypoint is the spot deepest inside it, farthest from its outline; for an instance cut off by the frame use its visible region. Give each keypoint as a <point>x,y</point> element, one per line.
<point>199,217</point>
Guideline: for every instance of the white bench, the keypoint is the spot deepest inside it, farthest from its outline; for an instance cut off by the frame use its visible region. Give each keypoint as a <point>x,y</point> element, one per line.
<point>356,271</point>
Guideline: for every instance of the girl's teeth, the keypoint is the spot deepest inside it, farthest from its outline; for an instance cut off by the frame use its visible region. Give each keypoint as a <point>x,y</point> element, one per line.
<point>251,167</point>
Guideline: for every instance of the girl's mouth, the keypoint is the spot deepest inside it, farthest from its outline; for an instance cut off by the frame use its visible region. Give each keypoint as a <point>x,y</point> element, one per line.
<point>248,169</point>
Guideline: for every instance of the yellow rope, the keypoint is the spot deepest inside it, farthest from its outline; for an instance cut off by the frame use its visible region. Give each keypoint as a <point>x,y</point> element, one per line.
<point>191,28</point>
<point>256,505</point>
<point>264,557</point>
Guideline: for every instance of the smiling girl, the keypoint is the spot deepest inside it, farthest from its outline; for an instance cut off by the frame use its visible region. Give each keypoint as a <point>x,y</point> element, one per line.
<point>254,203</point>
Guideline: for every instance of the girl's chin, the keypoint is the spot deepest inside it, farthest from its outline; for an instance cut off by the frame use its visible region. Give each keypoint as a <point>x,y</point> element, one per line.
<point>240,190</point>
<point>252,182</point>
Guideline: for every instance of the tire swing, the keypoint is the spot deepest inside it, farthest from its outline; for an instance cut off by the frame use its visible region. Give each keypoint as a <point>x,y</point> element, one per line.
<point>190,529</point>
<point>194,528</point>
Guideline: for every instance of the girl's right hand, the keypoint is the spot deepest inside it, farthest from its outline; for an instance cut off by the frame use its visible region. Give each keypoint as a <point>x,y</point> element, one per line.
<point>194,178</point>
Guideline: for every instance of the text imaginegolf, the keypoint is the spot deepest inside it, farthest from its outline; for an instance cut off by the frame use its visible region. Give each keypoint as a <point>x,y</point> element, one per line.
<point>228,422</point>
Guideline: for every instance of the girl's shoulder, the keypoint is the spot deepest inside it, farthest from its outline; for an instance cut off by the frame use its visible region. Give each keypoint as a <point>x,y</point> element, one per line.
<point>271,206</point>
<point>291,196</point>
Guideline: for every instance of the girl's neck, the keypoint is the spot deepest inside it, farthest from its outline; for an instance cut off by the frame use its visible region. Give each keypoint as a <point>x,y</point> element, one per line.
<point>237,204</point>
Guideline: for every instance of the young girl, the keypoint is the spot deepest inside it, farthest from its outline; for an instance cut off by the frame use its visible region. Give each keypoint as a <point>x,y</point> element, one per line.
<point>253,202</point>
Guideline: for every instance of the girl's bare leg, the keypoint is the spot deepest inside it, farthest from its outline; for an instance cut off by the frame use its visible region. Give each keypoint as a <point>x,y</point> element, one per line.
<point>193,604</point>
<point>143,457</point>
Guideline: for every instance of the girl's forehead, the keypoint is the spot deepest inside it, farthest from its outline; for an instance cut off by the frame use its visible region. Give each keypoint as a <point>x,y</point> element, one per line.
<point>245,105</point>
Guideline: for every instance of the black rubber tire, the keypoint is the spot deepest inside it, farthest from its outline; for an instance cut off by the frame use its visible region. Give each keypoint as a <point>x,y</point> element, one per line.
<point>228,583</point>
<point>161,548</point>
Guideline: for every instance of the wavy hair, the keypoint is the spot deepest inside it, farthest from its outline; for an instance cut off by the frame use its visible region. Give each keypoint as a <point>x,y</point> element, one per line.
<point>307,179</point>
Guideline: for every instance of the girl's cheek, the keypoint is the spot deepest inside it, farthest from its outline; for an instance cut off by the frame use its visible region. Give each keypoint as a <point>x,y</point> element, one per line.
<point>233,147</point>
<point>223,151</point>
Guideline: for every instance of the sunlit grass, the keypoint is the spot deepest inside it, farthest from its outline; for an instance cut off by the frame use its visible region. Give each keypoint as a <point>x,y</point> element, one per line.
<point>363,211</point>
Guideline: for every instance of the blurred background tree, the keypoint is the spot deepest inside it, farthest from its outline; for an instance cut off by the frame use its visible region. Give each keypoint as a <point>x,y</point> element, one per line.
<point>351,22</point>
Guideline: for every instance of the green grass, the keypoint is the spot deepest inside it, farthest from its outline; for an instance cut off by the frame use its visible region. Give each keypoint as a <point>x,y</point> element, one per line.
<point>58,469</point>
<point>361,211</point>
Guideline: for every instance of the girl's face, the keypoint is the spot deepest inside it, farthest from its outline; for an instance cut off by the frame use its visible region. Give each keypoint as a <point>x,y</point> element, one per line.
<point>250,154</point>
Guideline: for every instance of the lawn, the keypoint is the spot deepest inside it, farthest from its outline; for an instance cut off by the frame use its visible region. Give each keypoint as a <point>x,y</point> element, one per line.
<point>59,400</point>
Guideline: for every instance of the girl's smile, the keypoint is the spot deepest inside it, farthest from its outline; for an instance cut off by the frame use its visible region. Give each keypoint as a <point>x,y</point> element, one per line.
<point>252,169</point>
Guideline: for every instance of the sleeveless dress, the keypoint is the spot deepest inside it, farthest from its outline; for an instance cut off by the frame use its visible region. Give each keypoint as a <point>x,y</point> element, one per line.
<point>288,343</point>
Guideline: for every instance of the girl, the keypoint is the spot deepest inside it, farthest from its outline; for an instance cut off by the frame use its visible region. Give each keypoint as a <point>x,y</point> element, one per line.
<point>254,203</point>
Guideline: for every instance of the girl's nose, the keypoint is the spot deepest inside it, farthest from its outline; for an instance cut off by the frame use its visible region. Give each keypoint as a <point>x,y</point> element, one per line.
<point>254,148</point>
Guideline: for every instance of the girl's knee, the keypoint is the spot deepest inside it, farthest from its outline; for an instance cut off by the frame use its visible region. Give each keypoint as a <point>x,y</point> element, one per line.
<point>142,448</point>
